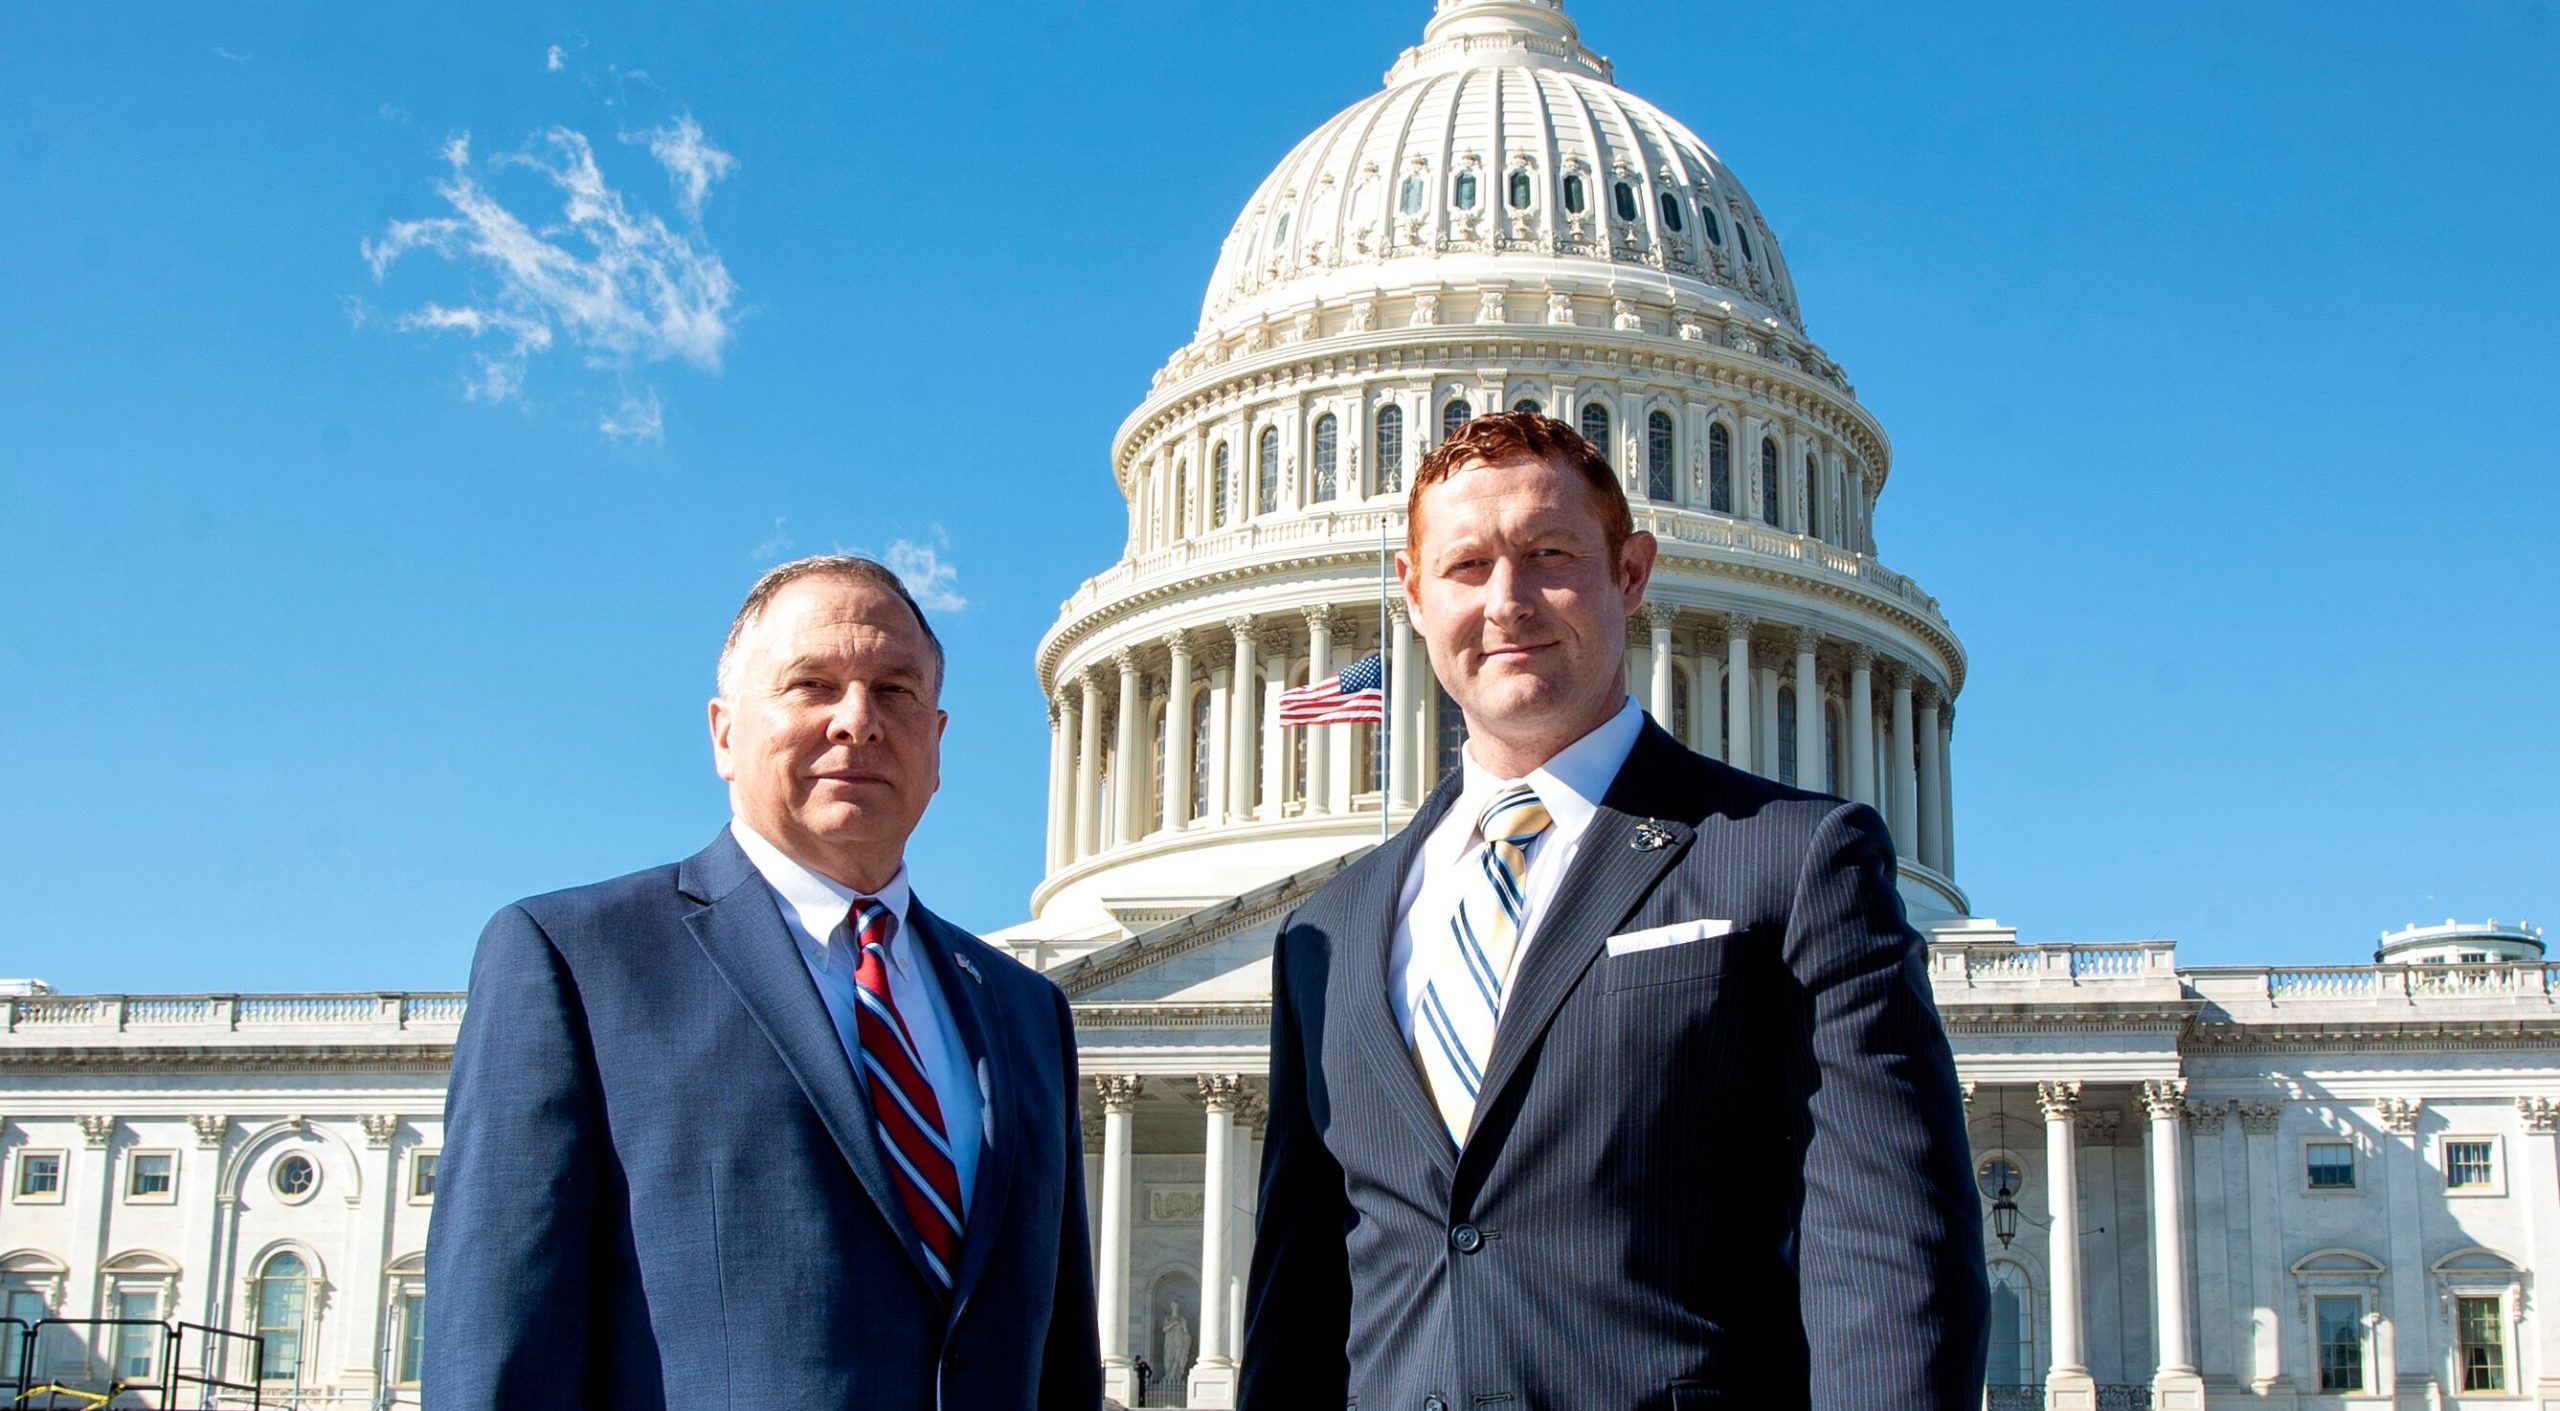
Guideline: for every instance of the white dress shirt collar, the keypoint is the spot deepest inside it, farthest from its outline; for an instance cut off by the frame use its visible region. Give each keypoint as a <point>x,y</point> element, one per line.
<point>818,902</point>
<point>1571,783</point>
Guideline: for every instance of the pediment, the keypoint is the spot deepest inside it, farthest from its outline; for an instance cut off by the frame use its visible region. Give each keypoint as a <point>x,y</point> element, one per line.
<point>1220,952</point>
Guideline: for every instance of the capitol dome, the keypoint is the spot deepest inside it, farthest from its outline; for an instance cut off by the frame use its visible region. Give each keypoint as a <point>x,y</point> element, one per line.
<point>1499,227</point>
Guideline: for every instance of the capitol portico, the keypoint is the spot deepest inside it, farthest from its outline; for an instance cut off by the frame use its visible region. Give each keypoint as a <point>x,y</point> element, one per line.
<point>2321,1187</point>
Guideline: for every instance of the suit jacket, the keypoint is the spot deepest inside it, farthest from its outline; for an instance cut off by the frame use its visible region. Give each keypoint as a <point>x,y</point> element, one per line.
<point>1731,1172</point>
<point>661,1186</point>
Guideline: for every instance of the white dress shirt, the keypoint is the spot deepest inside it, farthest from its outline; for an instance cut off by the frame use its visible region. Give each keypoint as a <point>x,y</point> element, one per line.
<point>815,907</point>
<point>1570,785</point>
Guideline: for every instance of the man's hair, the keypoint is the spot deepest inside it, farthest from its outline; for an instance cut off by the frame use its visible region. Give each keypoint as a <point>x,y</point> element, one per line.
<point>1497,437</point>
<point>783,575</point>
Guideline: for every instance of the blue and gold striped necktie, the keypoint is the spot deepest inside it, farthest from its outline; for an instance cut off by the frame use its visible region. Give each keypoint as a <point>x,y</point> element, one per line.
<point>1466,969</point>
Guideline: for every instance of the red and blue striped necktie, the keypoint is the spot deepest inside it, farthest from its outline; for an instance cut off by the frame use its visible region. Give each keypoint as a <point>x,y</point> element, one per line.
<point>902,1102</point>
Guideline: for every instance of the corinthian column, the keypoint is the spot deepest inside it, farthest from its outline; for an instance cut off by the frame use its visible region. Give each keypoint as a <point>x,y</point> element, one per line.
<point>1240,717</point>
<point>1177,732</point>
<point>1737,690</point>
<point>1061,781</point>
<point>1906,785</point>
<point>1933,785</point>
<point>1860,708</point>
<point>1128,768</point>
<point>1657,621</point>
<point>1088,765</point>
<point>2067,1387</point>
<point>1119,1092</point>
<point>2175,1386</point>
<point>1813,762</point>
<point>1213,1372</point>
<point>1401,718</point>
<point>1319,744</point>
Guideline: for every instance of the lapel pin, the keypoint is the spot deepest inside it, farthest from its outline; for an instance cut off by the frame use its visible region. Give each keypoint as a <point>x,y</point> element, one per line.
<point>1650,835</point>
<point>968,968</point>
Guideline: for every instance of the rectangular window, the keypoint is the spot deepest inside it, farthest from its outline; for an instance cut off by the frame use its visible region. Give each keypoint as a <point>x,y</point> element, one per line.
<point>153,1175</point>
<point>2483,1343</point>
<point>40,1175</point>
<point>27,1306</point>
<point>137,1348</point>
<point>2469,1165</point>
<point>413,1334</point>
<point>2341,1343</point>
<point>422,1176</point>
<point>2331,1166</point>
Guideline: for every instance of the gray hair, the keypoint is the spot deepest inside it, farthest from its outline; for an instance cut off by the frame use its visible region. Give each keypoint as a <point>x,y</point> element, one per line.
<point>783,575</point>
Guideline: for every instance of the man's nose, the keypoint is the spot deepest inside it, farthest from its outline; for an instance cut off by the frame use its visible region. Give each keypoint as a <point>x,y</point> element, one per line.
<point>853,720</point>
<point>1505,601</point>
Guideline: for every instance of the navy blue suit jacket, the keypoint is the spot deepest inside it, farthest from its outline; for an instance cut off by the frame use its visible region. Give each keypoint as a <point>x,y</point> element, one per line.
<point>661,1186</point>
<point>1731,1172</point>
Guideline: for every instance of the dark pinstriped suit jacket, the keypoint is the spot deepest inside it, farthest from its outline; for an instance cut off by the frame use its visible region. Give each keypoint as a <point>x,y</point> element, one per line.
<point>1731,1173</point>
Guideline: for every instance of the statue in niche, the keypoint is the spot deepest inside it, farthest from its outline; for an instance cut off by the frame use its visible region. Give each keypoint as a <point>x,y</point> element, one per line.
<point>1176,1331</point>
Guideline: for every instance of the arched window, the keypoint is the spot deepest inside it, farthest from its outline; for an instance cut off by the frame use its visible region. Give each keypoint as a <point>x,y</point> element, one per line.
<point>1595,428</point>
<point>1529,405</point>
<point>1719,469</point>
<point>1462,192</point>
<point>139,1286</point>
<point>1658,479</point>
<point>408,1318</point>
<point>1626,198</point>
<point>2013,1332</point>
<point>1769,480</point>
<point>1410,199</point>
<point>1786,734</point>
<point>1153,744</point>
<point>1456,414</point>
<point>1715,228</point>
<point>1671,212</point>
<point>284,1288</point>
<point>1327,438</point>
<point>1575,202</point>
<point>1200,747</point>
<point>1812,498</point>
<point>1390,448</point>
<point>1520,191</point>
<point>1266,473</point>
<point>1181,498</point>
<point>1218,486</point>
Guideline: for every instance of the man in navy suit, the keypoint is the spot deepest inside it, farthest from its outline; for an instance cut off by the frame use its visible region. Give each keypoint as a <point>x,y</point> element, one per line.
<point>758,1129</point>
<point>1613,1083</point>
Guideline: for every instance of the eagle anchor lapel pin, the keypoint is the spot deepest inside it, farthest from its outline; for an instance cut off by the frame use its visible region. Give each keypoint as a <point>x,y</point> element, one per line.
<point>1652,835</point>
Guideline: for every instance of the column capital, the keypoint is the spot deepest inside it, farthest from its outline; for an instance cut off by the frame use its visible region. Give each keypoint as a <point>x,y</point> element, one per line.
<point>1861,657</point>
<point>1925,693</point>
<point>379,1129</point>
<point>2060,1100</point>
<point>2399,1114</point>
<point>2209,1116</point>
<point>210,1128</point>
<point>1738,625</point>
<point>2541,1114</point>
<point>1056,709</point>
<point>1221,1092</point>
<point>1240,627</point>
<point>1395,613</point>
<point>1657,617</point>
<point>1089,680</point>
<point>1126,658</point>
<point>1177,644</point>
<point>2165,1099</point>
<point>2100,1126</point>
<point>1320,618</point>
<point>1968,1089</point>
<point>97,1131</point>
<point>1899,675</point>
<point>1272,638</point>
<point>1118,1091</point>
<point>2259,1119</point>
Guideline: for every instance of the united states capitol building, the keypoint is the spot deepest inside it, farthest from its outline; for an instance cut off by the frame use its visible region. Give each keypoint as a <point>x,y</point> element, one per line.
<point>2316,1187</point>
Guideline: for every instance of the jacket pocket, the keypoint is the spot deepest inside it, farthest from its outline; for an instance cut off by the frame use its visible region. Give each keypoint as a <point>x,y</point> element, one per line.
<point>1669,965</point>
<point>1695,1398</point>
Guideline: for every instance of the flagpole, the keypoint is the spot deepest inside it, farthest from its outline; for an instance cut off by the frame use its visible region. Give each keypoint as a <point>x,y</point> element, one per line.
<point>1386,693</point>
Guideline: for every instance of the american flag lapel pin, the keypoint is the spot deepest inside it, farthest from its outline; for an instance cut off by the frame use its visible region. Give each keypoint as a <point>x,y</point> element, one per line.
<point>968,967</point>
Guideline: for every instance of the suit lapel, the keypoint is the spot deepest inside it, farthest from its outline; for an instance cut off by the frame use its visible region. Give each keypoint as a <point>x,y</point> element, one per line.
<point>989,1042</point>
<point>1611,874</point>
<point>1373,1021</point>
<point>742,932</point>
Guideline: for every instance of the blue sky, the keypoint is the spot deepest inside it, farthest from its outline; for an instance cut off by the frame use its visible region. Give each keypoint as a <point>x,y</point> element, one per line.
<point>355,586</point>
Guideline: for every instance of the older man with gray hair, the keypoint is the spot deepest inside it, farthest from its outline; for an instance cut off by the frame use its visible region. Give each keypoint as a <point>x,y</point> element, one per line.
<point>758,1127</point>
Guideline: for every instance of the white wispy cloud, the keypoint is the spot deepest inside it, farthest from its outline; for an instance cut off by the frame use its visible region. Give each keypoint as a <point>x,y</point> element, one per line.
<point>692,164</point>
<point>921,568</point>
<point>607,277</point>
<point>551,59</point>
<point>240,58</point>
<point>775,544</point>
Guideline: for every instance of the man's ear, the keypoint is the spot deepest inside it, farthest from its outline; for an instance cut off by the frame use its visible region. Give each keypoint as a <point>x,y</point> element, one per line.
<point>1635,566</point>
<point>1409,578</point>
<point>721,719</point>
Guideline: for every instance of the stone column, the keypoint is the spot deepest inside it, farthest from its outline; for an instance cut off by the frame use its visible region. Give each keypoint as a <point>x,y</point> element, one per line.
<point>1119,1093</point>
<point>2540,1189</point>
<point>1947,788</point>
<point>1402,738</point>
<point>1706,695</point>
<point>1275,752</point>
<point>1061,784</point>
<point>1658,629</point>
<point>2208,1158</point>
<point>201,1276</point>
<point>1240,728</point>
<point>1906,788</point>
<point>1811,760</point>
<point>1764,720</point>
<point>1319,738</point>
<point>1088,766</point>
<point>2258,1123</point>
<point>1737,690</point>
<point>2175,1386</point>
<point>1861,710</point>
<point>1932,795</point>
<point>2407,1193</point>
<point>2067,1386</point>
<point>1213,1370</point>
<point>1128,766</point>
<point>89,1189</point>
<point>360,1301</point>
<point>1177,732</point>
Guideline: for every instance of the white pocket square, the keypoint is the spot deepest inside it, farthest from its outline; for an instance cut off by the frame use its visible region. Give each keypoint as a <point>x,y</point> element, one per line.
<point>1678,933</point>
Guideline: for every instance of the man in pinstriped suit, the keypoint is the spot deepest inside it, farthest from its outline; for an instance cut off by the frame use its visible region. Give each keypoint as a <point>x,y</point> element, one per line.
<point>1613,1083</point>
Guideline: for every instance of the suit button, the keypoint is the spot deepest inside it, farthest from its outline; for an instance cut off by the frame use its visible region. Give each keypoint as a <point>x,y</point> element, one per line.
<point>1466,1239</point>
<point>1434,1403</point>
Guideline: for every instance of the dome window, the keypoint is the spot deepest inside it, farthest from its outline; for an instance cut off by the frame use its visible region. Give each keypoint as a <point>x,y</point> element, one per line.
<point>1812,498</point>
<point>1218,487</point>
<point>1715,228</point>
<point>1328,453</point>
<point>1671,212</point>
<point>1456,414</point>
<point>1530,406</point>
<point>1657,456</point>
<point>1521,191</point>
<point>1769,480</point>
<point>1744,231</point>
<point>1463,193</point>
<point>1595,427</point>
<point>1266,473</point>
<point>1410,199</point>
<point>1280,233</point>
<point>1576,201</point>
<point>1719,469</point>
<point>1390,448</point>
<point>1626,202</point>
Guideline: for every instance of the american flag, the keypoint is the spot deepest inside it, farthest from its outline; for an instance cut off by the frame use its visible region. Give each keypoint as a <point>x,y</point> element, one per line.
<point>1358,692</point>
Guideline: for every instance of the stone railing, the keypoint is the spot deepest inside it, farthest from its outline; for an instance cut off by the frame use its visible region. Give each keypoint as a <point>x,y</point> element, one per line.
<point>1958,966</point>
<point>71,1018</point>
<point>2385,983</point>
